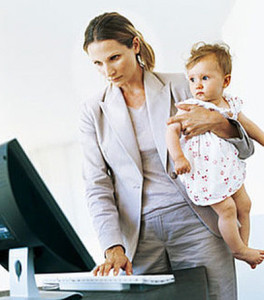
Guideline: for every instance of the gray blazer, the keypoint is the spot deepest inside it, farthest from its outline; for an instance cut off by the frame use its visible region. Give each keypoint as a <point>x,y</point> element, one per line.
<point>112,164</point>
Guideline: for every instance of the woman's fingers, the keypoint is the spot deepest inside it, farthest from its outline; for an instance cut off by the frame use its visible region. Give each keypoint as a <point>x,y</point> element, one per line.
<point>195,120</point>
<point>96,270</point>
<point>102,270</point>
<point>174,119</point>
<point>116,260</point>
<point>116,269</point>
<point>129,270</point>
<point>105,268</point>
<point>186,107</point>
<point>183,116</point>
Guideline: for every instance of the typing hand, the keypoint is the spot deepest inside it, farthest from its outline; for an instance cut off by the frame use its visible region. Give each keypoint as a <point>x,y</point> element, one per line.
<point>116,260</point>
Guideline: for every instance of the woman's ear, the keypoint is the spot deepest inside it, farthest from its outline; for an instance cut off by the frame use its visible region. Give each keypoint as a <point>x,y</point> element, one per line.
<point>136,44</point>
<point>227,80</point>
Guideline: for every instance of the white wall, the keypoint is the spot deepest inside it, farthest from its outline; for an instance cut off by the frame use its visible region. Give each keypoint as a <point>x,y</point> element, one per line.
<point>243,32</point>
<point>45,75</point>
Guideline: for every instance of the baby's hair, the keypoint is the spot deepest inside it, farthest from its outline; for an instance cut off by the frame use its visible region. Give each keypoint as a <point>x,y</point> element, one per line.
<point>220,50</point>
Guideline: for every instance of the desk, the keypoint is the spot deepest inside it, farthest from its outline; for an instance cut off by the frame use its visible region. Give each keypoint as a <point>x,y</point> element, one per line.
<point>190,284</point>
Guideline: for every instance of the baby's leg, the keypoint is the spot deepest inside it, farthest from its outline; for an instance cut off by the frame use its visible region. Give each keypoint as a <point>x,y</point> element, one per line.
<point>227,223</point>
<point>243,205</point>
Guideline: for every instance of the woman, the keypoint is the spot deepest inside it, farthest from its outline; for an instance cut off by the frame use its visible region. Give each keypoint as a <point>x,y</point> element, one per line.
<point>139,207</point>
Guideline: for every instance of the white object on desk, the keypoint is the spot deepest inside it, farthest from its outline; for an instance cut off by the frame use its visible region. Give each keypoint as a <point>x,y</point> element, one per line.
<point>88,282</point>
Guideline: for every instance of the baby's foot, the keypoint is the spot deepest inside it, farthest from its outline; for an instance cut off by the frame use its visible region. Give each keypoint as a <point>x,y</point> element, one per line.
<point>252,256</point>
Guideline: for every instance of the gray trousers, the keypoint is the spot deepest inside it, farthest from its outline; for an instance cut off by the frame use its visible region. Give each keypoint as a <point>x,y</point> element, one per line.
<point>173,239</point>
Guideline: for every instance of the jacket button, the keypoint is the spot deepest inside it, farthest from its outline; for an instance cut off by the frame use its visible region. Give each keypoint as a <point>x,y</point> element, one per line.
<point>136,187</point>
<point>173,175</point>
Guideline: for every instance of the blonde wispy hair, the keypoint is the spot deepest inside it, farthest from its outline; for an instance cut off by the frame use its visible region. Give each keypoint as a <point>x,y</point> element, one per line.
<point>220,50</point>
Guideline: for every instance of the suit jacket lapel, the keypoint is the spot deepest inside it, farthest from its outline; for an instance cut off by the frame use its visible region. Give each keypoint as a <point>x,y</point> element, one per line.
<point>116,112</point>
<point>158,100</point>
<point>158,97</point>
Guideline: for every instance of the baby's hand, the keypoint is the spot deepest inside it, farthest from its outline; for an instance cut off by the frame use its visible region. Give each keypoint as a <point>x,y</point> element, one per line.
<point>182,165</point>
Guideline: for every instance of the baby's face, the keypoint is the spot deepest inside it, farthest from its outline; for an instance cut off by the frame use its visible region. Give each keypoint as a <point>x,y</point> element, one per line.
<point>206,80</point>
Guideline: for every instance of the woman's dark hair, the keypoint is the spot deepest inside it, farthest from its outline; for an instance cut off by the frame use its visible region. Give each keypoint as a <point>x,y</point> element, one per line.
<point>113,26</point>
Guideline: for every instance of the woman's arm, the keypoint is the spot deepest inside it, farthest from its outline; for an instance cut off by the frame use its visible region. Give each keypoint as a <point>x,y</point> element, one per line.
<point>255,132</point>
<point>197,120</point>
<point>100,196</point>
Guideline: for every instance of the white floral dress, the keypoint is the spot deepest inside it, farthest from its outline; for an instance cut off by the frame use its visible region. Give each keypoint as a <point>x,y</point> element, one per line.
<point>216,171</point>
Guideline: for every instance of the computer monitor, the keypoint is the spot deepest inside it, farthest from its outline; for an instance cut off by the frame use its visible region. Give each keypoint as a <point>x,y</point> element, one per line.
<point>32,225</point>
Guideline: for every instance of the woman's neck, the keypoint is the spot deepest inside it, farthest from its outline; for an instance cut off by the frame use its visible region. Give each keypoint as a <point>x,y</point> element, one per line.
<point>133,91</point>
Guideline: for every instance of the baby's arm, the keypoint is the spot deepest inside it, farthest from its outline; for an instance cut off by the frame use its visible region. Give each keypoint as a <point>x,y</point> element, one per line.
<point>173,134</point>
<point>251,128</point>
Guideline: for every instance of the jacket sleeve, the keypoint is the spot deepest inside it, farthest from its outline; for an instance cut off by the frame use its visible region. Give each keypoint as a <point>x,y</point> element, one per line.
<point>243,143</point>
<point>99,190</point>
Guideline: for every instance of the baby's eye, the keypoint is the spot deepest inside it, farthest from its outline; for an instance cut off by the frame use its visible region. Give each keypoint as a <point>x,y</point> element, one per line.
<point>205,77</point>
<point>192,79</point>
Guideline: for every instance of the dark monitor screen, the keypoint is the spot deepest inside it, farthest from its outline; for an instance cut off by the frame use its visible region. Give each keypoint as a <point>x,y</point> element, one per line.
<point>30,217</point>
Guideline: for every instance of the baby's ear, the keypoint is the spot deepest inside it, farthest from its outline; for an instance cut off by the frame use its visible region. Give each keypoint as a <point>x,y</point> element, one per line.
<point>227,80</point>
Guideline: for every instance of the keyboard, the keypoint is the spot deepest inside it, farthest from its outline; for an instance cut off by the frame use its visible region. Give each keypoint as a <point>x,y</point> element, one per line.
<point>88,282</point>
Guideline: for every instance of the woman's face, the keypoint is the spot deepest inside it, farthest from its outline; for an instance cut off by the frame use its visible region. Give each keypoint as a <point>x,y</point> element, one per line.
<point>115,61</point>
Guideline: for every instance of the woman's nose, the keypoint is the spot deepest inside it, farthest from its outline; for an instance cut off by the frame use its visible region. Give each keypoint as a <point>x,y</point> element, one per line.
<point>109,71</point>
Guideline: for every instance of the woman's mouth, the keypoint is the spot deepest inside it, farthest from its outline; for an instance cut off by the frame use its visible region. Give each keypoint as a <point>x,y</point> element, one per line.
<point>115,79</point>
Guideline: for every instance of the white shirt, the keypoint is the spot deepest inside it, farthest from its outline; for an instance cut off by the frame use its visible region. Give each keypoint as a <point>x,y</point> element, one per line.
<point>158,190</point>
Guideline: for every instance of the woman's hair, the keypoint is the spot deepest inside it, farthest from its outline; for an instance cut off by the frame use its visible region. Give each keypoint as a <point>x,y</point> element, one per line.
<point>220,50</point>
<point>113,26</point>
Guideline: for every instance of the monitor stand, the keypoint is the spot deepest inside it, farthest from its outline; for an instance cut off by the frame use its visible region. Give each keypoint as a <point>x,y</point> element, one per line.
<point>22,279</point>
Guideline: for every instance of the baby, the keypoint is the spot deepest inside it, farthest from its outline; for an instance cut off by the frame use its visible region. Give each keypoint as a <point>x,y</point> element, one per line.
<point>211,170</point>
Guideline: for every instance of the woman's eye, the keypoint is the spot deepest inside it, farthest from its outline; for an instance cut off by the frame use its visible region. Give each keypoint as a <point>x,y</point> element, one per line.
<point>97,63</point>
<point>205,77</point>
<point>114,57</point>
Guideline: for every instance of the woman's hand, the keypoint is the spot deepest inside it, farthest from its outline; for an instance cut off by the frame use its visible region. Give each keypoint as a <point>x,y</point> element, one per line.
<point>196,120</point>
<point>116,260</point>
